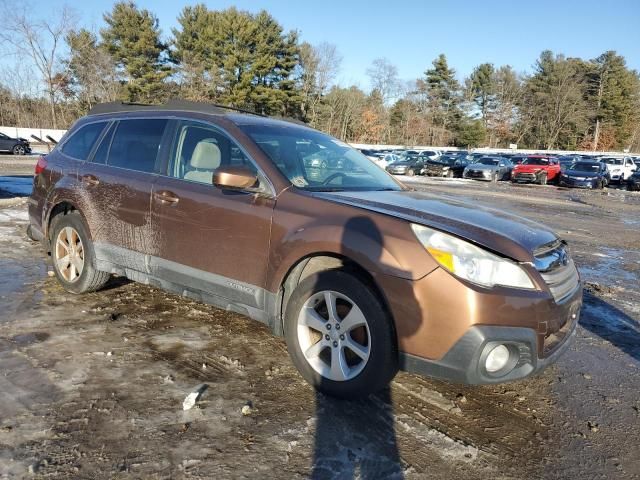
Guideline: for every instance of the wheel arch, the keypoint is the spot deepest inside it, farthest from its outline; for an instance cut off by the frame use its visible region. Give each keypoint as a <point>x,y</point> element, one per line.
<point>322,262</point>
<point>62,207</point>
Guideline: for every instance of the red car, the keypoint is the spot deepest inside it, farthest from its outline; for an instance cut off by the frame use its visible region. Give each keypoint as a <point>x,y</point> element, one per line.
<point>536,169</point>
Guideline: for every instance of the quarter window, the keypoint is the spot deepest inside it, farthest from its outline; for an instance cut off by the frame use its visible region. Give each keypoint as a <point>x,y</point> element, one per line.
<point>200,150</point>
<point>80,144</point>
<point>136,143</point>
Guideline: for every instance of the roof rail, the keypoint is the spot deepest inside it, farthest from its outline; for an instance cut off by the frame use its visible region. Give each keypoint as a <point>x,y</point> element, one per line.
<point>172,104</point>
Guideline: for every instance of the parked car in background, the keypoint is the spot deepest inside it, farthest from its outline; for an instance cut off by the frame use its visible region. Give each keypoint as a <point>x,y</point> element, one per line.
<point>489,168</point>
<point>386,159</point>
<point>633,182</point>
<point>407,166</point>
<point>17,146</point>
<point>636,160</point>
<point>620,168</point>
<point>429,154</point>
<point>585,174</point>
<point>360,275</point>
<point>536,169</point>
<point>446,166</point>
<point>566,161</point>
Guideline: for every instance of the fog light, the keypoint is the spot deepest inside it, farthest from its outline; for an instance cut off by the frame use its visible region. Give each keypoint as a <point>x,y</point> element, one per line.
<point>497,359</point>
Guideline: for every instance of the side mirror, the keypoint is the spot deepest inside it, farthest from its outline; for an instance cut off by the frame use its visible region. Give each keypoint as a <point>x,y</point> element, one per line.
<point>234,177</point>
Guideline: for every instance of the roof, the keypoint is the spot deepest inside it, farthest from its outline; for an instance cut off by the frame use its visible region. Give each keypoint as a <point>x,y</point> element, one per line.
<point>173,104</point>
<point>236,115</point>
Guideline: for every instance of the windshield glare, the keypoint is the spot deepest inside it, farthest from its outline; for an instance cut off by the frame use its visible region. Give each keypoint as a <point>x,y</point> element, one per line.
<point>585,167</point>
<point>314,161</point>
<point>536,161</point>
<point>488,161</point>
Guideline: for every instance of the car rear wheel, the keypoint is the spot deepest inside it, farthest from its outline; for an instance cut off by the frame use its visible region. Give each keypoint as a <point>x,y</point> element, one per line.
<point>73,256</point>
<point>450,174</point>
<point>19,150</point>
<point>410,173</point>
<point>339,336</point>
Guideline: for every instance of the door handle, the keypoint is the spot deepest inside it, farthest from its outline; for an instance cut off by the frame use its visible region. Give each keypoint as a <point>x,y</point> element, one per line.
<point>166,196</point>
<point>90,180</point>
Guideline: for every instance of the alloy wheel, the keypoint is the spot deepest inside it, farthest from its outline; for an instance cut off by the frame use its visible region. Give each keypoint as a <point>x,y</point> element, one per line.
<point>334,336</point>
<point>69,254</point>
<point>19,150</point>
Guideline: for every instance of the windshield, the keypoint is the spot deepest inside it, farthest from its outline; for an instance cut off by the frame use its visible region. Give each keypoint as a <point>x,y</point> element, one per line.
<point>536,161</point>
<point>489,161</point>
<point>445,159</point>
<point>612,161</point>
<point>585,167</point>
<point>314,161</point>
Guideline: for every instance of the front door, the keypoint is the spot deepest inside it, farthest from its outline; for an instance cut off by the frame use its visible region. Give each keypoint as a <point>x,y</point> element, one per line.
<point>212,240</point>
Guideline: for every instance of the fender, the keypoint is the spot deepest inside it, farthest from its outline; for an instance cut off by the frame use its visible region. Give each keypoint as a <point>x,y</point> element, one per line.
<point>344,231</point>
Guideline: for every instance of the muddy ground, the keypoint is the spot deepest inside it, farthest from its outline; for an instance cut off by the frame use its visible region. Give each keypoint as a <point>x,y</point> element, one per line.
<point>92,386</point>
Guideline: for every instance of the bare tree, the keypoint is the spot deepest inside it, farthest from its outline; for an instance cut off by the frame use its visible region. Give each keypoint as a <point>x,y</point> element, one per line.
<point>384,78</point>
<point>320,64</point>
<point>39,40</point>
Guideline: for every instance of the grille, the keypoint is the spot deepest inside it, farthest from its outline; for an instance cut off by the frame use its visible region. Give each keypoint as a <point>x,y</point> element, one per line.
<point>557,269</point>
<point>525,176</point>
<point>475,173</point>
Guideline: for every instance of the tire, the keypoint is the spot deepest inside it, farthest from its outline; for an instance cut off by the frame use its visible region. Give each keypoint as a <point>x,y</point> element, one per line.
<point>449,174</point>
<point>376,336</point>
<point>494,177</point>
<point>410,173</point>
<point>86,278</point>
<point>543,179</point>
<point>600,185</point>
<point>19,150</point>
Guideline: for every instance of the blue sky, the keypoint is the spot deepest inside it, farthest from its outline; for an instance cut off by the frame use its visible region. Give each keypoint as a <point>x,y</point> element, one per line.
<point>412,33</point>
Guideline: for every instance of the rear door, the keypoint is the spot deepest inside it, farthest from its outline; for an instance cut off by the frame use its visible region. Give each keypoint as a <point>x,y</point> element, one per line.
<point>116,187</point>
<point>212,240</point>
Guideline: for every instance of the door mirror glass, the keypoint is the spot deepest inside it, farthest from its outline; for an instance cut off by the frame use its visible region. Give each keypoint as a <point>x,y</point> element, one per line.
<point>234,177</point>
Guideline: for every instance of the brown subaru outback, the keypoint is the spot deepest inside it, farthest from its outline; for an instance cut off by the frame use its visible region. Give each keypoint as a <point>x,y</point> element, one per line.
<point>280,222</point>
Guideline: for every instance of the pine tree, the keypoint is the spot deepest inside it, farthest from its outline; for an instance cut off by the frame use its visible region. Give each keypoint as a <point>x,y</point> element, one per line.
<point>443,91</point>
<point>613,93</point>
<point>132,38</point>
<point>241,59</point>
<point>482,88</point>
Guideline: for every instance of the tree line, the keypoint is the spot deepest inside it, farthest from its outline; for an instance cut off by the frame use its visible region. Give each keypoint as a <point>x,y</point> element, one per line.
<point>248,60</point>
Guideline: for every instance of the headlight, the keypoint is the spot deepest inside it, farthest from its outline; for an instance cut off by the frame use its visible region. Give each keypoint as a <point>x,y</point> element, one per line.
<point>470,262</point>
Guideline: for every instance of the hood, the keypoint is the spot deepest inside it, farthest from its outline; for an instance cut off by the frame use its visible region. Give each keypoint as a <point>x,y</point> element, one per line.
<point>579,173</point>
<point>530,168</point>
<point>501,232</point>
<point>481,166</point>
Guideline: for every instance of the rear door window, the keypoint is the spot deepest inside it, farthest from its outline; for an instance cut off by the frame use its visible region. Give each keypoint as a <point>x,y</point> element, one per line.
<point>136,143</point>
<point>81,142</point>
<point>100,156</point>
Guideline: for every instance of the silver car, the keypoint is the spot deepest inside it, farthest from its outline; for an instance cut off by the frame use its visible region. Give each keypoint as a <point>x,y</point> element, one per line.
<point>489,169</point>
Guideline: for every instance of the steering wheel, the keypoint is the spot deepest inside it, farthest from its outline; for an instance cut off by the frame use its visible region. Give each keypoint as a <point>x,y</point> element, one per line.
<point>333,176</point>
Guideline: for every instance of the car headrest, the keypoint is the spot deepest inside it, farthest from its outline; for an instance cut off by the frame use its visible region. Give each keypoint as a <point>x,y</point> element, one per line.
<point>206,155</point>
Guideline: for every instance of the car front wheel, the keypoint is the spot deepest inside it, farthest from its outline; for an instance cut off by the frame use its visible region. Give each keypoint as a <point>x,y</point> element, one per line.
<point>19,150</point>
<point>339,336</point>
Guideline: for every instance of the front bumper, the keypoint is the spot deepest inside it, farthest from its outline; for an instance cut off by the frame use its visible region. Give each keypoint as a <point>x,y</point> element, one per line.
<point>525,177</point>
<point>445,326</point>
<point>464,362</point>
<point>478,175</point>
<point>572,182</point>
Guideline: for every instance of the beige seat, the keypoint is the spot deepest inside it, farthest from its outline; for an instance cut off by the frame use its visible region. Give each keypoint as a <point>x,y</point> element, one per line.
<point>204,160</point>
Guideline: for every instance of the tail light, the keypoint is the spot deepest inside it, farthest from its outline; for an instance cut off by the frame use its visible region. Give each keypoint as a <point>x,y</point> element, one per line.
<point>41,165</point>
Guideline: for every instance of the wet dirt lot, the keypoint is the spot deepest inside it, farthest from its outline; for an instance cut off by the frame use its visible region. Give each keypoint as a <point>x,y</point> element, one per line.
<point>92,386</point>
